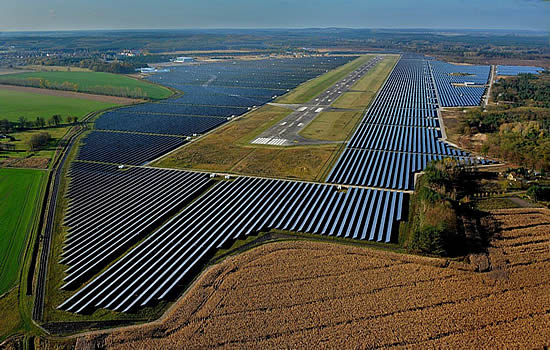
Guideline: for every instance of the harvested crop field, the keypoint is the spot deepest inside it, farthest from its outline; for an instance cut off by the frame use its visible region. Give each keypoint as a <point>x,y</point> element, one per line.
<point>298,294</point>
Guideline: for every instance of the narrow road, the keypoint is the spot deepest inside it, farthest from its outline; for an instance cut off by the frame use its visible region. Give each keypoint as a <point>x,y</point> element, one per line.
<point>53,186</point>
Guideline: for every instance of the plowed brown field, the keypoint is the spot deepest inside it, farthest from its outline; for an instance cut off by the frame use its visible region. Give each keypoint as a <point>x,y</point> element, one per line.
<point>318,295</point>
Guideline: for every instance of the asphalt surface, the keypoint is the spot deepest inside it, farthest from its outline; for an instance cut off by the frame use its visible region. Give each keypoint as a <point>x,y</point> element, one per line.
<point>286,132</point>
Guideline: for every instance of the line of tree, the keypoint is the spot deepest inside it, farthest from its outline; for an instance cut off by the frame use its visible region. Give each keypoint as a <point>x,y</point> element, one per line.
<point>22,123</point>
<point>95,64</point>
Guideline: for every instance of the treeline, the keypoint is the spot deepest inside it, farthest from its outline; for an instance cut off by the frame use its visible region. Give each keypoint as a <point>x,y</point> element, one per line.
<point>94,64</point>
<point>109,90</point>
<point>439,201</point>
<point>22,123</point>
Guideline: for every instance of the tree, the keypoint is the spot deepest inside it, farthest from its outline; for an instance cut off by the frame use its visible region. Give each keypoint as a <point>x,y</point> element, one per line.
<point>5,126</point>
<point>539,193</point>
<point>56,119</point>
<point>37,141</point>
<point>51,121</point>
<point>22,122</point>
<point>40,122</point>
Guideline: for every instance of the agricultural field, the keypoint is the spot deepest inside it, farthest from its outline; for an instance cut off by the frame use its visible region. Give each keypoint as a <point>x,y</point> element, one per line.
<point>23,157</point>
<point>15,104</point>
<point>19,200</point>
<point>89,82</point>
<point>292,293</point>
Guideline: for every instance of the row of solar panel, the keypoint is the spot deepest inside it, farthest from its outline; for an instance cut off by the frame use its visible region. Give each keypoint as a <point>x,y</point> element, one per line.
<point>399,138</point>
<point>515,70</point>
<point>125,148</point>
<point>456,96</point>
<point>387,169</point>
<point>181,109</point>
<point>157,123</point>
<point>232,210</point>
<point>403,121</point>
<point>111,209</point>
<point>388,110</point>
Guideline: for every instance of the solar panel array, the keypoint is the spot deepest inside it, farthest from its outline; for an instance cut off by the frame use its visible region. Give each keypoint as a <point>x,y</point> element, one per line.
<point>515,70</point>
<point>399,133</point>
<point>110,209</point>
<point>398,136</point>
<point>459,85</point>
<point>125,148</point>
<point>231,210</point>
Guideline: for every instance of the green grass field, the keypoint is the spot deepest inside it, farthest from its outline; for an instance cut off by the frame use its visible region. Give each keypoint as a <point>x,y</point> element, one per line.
<point>14,104</point>
<point>19,199</point>
<point>91,82</point>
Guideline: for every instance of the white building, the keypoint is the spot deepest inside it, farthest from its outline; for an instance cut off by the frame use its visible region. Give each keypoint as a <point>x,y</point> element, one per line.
<point>184,59</point>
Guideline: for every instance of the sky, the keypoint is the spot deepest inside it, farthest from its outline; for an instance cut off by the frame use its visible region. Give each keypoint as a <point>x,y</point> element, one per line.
<point>18,15</point>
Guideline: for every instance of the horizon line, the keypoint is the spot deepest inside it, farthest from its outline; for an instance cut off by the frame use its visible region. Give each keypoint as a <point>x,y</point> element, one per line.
<point>267,28</point>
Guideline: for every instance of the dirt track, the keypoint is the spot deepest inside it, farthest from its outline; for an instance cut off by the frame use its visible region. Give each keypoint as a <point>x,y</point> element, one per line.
<point>72,94</point>
<point>311,294</point>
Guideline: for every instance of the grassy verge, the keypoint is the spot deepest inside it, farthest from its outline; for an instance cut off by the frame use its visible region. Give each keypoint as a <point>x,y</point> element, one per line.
<point>495,203</point>
<point>11,319</point>
<point>306,91</point>
<point>90,82</point>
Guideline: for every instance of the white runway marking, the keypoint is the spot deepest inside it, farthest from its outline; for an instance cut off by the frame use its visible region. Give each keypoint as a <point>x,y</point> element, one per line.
<point>269,141</point>
<point>318,110</point>
<point>301,109</point>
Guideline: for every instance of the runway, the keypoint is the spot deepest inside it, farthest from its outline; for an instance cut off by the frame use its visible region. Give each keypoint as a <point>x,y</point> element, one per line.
<point>286,132</point>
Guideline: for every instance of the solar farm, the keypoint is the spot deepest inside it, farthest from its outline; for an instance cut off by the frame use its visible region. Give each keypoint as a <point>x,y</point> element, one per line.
<point>169,222</point>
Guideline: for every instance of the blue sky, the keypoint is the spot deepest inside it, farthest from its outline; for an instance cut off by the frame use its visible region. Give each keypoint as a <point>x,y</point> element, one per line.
<point>128,14</point>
